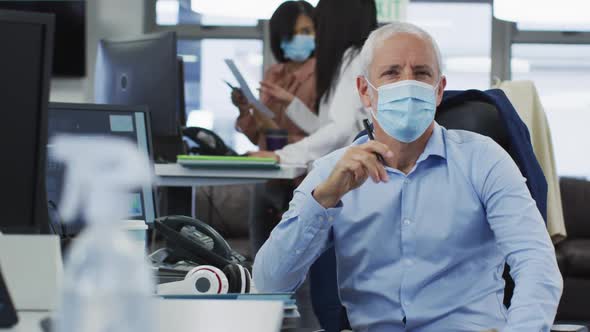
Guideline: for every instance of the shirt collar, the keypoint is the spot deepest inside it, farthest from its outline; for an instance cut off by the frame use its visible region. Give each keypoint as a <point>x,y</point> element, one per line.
<point>435,145</point>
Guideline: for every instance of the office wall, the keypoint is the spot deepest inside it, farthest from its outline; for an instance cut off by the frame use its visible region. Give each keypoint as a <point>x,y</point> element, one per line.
<point>104,19</point>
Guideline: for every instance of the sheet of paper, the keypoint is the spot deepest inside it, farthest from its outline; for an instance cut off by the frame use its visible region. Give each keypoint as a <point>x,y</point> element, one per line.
<point>246,90</point>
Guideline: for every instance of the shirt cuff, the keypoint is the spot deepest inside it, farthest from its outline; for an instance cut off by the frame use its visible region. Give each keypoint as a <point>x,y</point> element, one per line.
<point>291,109</point>
<point>302,116</point>
<point>317,216</point>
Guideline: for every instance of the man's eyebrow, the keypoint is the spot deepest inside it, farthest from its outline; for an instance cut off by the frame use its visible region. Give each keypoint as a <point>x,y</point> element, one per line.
<point>423,67</point>
<point>383,69</point>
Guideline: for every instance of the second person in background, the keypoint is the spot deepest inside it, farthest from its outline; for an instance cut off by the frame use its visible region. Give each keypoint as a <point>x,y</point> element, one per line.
<point>341,29</point>
<point>292,41</point>
<point>342,26</point>
<point>226,208</point>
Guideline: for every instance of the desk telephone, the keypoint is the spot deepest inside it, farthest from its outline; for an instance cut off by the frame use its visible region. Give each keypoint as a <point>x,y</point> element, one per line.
<point>219,268</point>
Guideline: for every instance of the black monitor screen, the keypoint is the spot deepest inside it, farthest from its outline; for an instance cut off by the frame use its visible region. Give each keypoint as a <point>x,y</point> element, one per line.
<point>129,123</point>
<point>144,71</point>
<point>24,87</point>
<point>69,57</point>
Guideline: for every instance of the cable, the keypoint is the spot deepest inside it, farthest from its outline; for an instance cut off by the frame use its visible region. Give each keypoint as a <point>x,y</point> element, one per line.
<point>62,232</point>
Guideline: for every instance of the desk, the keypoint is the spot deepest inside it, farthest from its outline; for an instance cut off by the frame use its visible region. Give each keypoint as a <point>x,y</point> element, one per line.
<point>175,175</point>
<point>28,321</point>
<point>194,315</point>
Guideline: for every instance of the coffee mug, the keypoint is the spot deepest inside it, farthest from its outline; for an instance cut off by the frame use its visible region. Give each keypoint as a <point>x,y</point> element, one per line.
<point>276,139</point>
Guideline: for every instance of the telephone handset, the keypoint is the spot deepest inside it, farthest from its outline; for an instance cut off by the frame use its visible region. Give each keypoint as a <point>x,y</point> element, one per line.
<point>193,240</point>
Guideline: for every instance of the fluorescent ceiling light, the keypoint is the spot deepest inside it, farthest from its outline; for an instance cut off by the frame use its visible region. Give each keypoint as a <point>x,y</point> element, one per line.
<point>259,9</point>
<point>542,11</point>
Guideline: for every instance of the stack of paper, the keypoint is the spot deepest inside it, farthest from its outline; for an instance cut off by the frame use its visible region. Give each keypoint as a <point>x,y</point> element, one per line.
<point>227,162</point>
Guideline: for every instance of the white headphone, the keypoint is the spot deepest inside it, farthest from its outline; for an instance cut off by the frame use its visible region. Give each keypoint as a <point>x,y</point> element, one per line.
<point>207,279</point>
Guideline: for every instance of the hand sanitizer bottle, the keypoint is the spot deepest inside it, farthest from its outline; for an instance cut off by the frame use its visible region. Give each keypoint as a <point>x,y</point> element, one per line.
<point>108,286</point>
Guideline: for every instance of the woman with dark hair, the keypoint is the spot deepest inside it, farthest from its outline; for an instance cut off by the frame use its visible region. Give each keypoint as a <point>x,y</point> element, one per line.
<point>342,26</point>
<point>341,29</point>
<point>292,41</point>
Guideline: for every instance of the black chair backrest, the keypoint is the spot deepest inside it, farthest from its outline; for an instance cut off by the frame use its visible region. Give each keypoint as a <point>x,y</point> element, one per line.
<point>475,116</point>
<point>482,118</point>
<point>575,194</point>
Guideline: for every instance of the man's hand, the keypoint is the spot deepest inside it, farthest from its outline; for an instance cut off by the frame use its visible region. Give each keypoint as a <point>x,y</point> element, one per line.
<point>265,154</point>
<point>276,92</point>
<point>352,170</point>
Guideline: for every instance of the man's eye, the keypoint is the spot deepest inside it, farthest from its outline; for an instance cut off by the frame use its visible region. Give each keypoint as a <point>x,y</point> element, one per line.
<point>390,73</point>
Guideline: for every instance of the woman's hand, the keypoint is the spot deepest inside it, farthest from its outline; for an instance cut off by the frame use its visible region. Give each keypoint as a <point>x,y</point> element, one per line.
<point>239,100</point>
<point>264,154</point>
<point>276,92</point>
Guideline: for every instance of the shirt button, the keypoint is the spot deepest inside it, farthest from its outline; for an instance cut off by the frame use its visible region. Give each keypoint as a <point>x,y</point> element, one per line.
<point>297,251</point>
<point>409,262</point>
<point>406,181</point>
<point>407,221</point>
<point>321,218</point>
<point>330,218</point>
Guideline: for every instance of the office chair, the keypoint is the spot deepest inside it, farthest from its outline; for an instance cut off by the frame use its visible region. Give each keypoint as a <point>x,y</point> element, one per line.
<point>488,113</point>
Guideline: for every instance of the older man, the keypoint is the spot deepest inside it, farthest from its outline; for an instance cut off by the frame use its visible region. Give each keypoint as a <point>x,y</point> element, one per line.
<point>422,246</point>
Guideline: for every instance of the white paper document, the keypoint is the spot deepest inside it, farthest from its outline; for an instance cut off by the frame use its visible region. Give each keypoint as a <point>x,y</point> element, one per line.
<point>246,89</point>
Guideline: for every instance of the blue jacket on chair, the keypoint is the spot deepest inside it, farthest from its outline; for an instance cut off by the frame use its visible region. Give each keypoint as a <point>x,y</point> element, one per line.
<point>521,148</point>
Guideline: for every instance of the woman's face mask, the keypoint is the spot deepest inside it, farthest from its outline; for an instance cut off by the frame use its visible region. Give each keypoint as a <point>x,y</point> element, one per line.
<point>299,48</point>
<point>405,109</point>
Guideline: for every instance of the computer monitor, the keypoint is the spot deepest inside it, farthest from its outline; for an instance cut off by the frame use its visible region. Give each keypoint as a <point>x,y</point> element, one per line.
<point>25,67</point>
<point>181,100</point>
<point>144,71</point>
<point>129,122</point>
<point>69,52</point>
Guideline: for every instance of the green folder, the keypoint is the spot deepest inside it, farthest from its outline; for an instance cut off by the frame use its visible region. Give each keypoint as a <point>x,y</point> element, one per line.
<point>231,162</point>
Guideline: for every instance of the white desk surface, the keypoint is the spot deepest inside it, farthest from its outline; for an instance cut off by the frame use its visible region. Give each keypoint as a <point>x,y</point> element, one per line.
<point>28,321</point>
<point>175,175</point>
<point>195,315</point>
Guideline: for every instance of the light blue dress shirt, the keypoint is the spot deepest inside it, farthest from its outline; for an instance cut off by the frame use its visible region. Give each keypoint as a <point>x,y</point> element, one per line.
<point>429,246</point>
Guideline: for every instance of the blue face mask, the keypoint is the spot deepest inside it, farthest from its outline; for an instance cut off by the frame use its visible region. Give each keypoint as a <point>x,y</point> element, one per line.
<point>405,109</point>
<point>299,48</point>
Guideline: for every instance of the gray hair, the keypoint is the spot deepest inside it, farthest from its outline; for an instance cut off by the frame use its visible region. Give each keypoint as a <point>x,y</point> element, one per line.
<point>378,37</point>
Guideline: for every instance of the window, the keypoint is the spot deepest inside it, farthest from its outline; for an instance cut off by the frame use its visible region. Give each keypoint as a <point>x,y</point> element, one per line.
<point>217,12</point>
<point>562,76</point>
<point>207,96</point>
<point>463,33</point>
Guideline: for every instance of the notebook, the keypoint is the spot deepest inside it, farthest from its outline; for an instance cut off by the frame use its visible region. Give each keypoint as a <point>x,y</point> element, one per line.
<point>227,162</point>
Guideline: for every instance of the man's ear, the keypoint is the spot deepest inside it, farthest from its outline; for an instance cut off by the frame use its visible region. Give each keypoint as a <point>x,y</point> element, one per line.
<point>441,89</point>
<point>364,91</point>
